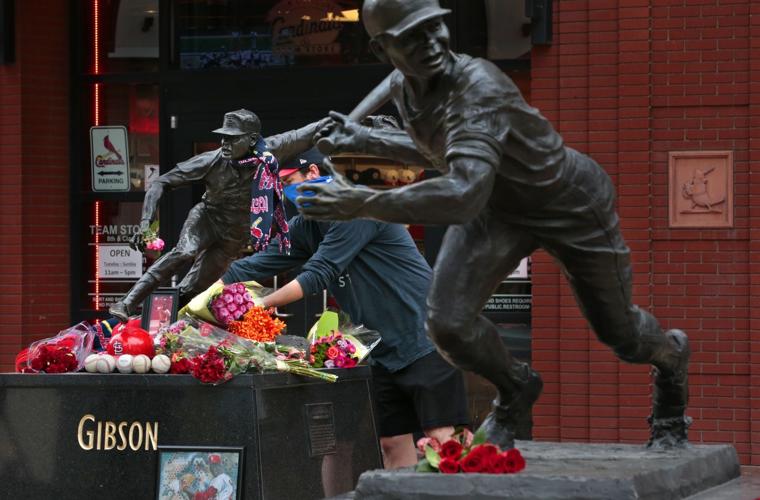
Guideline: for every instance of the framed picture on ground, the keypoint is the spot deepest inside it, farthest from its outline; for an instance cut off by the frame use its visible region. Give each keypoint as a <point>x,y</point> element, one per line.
<point>160,309</point>
<point>199,472</point>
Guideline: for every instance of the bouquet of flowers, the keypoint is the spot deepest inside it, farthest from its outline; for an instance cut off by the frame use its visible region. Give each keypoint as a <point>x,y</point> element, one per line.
<point>150,236</point>
<point>339,344</point>
<point>63,353</point>
<point>221,304</point>
<point>469,454</point>
<point>214,355</point>
<point>257,324</point>
<point>333,351</point>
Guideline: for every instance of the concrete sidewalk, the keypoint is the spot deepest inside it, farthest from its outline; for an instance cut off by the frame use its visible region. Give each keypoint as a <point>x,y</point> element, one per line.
<point>746,487</point>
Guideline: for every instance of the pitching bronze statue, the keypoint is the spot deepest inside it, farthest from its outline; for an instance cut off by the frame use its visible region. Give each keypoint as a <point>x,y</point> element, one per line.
<point>216,229</point>
<point>509,186</point>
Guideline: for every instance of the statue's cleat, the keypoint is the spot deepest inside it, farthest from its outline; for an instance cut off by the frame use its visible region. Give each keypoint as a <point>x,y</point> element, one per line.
<point>119,310</point>
<point>668,423</point>
<point>668,433</point>
<point>501,425</point>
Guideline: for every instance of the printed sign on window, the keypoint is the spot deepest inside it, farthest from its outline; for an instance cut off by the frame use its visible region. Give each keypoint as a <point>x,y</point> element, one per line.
<point>109,153</point>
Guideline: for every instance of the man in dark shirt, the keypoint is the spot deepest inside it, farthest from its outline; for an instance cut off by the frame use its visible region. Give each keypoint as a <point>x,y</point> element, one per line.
<point>508,186</point>
<point>216,229</point>
<point>377,275</point>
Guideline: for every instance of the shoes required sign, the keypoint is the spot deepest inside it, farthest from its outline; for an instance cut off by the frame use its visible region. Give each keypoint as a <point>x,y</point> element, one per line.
<point>109,152</point>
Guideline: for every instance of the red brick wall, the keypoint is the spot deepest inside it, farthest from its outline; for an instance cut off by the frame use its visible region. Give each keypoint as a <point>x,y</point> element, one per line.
<point>34,192</point>
<point>628,81</point>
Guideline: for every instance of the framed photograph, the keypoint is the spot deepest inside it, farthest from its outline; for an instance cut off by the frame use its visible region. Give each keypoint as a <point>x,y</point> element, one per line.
<point>199,472</point>
<point>160,309</point>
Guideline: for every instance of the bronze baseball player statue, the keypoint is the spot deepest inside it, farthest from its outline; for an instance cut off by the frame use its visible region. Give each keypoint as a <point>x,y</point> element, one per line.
<point>509,186</point>
<point>217,229</point>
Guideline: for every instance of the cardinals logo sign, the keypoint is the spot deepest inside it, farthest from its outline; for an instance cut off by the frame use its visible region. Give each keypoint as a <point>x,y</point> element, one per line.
<point>113,157</point>
<point>110,158</point>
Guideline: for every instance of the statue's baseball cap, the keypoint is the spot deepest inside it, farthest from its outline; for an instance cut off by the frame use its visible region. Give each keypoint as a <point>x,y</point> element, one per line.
<point>304,160</point>
<point>394,17</point>
<point>240,122</point>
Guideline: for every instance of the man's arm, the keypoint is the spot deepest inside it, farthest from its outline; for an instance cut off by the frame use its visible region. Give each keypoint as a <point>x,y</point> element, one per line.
<point>264,265</point>
<point>342,242</point>
<point>285,295</point>
<point>454,198</point>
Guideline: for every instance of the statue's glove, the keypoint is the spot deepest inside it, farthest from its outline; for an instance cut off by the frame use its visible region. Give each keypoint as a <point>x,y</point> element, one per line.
<point>341,134</point>
<point>138,239</point>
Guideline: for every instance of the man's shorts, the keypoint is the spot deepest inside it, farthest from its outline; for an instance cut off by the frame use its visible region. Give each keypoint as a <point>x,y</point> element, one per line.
<point>427,394</point>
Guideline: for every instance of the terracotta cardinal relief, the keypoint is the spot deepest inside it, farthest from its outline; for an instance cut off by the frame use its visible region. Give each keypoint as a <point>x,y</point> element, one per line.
<point>701,188</point>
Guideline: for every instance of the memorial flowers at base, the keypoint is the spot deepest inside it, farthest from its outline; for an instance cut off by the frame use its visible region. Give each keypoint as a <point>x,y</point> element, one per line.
<point>63,353</point>
<point>466,453</point>
<point>213,355</point>
<point>333,351</point>
<point>257,324</point>
<point>221,304</point>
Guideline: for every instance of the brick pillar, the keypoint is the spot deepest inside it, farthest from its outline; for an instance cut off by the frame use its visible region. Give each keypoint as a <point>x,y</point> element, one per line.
<point>754,232</point>
<point>628,82</point>
<point>34,158</point>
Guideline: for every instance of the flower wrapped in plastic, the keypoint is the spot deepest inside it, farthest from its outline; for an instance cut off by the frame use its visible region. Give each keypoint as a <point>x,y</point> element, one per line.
<point>63,353</point>
<point>339,344</point>
<point>213,355</point>
<point>221,304</point>
<point>257,324</point>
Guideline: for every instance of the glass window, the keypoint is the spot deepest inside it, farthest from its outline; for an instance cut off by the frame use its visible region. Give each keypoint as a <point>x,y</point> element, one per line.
<point>123,34</point>
<point>492,29</point>
<point>245,34</point>
<point>134,107</point>
<point>109,266</point>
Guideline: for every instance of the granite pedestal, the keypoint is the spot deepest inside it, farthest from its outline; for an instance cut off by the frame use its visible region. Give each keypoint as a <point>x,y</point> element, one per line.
<point>565,471</point>
<point>301,438</point>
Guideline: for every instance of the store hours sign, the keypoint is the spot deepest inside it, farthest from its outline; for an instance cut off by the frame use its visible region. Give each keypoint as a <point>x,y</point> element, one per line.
<point>109,154</point>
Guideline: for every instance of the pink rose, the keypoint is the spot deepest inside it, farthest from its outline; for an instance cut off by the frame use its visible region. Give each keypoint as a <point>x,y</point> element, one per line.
<point>433,442</point>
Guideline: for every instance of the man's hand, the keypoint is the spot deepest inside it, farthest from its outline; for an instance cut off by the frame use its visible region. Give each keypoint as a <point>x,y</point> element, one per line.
<point>336,200</point>
<point>138,239</point>
<point>341,134</point>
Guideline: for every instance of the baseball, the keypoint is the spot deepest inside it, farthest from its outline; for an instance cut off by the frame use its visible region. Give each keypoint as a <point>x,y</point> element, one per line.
<point>91,363</point>
<point>124,363</point>
<point>161,363</point>
<point>105,363</point>
<point>141,363</point>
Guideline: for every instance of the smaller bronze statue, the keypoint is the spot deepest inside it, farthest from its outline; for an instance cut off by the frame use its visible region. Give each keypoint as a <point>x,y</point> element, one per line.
<point>508,186</point>
<point>217,229</point>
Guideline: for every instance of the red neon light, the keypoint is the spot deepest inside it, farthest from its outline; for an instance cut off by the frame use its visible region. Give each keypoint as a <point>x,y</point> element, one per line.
<point>96,119</point>
<point>96,36</point>
<point>96,104</point>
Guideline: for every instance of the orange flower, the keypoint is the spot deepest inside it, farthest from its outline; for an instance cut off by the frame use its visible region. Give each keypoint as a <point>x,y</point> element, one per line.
<point>257,324</point>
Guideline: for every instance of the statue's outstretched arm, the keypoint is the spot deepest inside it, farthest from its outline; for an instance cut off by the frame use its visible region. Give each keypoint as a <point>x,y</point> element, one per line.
<point>454,198</point>
<point>347,136</point>
<point>288,144</point>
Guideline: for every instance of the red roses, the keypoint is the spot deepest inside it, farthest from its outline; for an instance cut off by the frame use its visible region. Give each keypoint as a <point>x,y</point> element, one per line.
<point>209,368</point>
<point>51,358</point>
<point>470,454</point>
